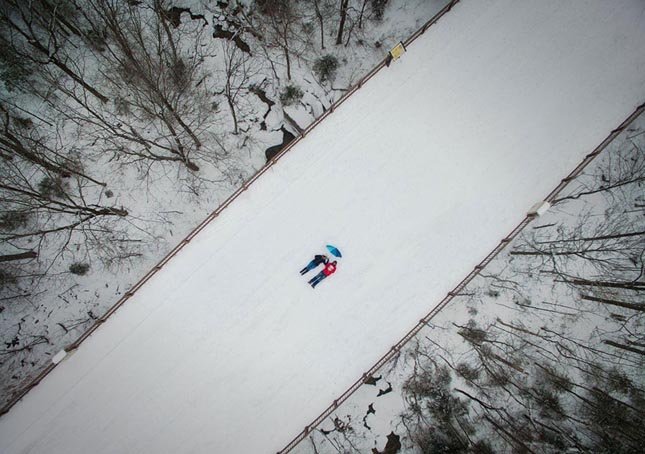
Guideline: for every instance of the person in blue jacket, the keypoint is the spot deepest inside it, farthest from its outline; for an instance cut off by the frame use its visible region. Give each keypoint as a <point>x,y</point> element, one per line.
<point>318,259</point>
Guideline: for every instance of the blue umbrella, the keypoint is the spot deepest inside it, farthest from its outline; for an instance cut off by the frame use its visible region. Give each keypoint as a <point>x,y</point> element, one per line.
<point>334,250</point>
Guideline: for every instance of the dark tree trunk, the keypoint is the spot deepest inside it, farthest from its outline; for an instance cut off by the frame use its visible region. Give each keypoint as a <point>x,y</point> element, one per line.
<point>638,286</point>
<point>343,17</point>
<point>625,347</point>
<point>21,256</point>
<point>322,24</point>
<point>636,307</point>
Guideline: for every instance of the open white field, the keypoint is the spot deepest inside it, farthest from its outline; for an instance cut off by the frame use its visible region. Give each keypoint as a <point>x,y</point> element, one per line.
<point>415,178</point>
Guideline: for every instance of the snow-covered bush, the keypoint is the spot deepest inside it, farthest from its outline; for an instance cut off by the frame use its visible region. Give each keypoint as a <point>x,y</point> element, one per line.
<point>52,187</point>
<point>13,220</point>
<point>79,268</point>
<point>291,95</point>
<point>325,68</point>
<point>378,8</point>
<point>6,277</point>
<point>467,371</point>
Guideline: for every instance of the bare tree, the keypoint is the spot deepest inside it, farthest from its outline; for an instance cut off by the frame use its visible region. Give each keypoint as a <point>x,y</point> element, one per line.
<point>341,25</point>
<point>20,137</point>
<point>39,33</point>
<point>280,25</point>
<point>161,91</point>
<point>349,17</point>
<point>611,244</point>
<point>240,69</point>
<point>609,233</point>
<point>360,16</point>
<point>44,191</point>
<point>622,170</point>
<point>323,10</point>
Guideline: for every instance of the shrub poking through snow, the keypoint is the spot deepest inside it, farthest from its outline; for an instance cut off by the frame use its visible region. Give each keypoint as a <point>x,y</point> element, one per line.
<point>52,188</point>
<point>79,268</point>
<point>291,95</point>
<point>6,277</point>
<point>378,8</point>
<point>13,220</point>
<point>325,68</point>
<point>467,371</point>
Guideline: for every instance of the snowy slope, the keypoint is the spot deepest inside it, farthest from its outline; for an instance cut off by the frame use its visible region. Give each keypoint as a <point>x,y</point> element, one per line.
<point>415,178</point>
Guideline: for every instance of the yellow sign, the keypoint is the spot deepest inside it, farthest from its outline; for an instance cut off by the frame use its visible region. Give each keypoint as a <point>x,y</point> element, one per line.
<point>397,51</point>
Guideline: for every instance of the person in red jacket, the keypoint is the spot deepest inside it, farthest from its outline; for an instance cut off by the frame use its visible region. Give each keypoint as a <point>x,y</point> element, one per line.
<point>328,270</point>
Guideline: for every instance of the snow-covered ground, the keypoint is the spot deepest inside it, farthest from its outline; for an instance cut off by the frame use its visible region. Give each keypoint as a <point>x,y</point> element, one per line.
<point>415,178</point>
